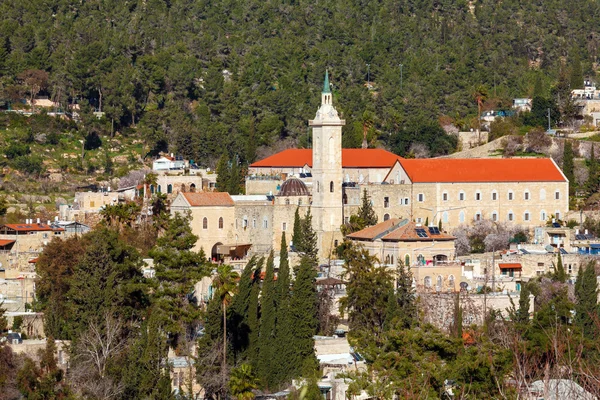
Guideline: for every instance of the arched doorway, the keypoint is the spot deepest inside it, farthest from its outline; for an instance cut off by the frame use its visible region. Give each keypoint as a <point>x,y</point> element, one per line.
<point>214,253</point>
<point>440,258</point>
<point>193,187</point>
<point>169,188</point>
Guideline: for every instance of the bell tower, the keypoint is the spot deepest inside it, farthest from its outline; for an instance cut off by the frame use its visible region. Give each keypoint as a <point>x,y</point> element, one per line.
<point>327,172</point>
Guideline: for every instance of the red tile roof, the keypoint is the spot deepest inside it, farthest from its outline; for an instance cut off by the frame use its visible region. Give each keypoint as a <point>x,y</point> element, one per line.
<point>510,266</point>
<point>372,232</point>
<point>5,242</point>
<point>31,227</point>
<point>482,170</point>
<point>351,158</point>
<point>205,199</point>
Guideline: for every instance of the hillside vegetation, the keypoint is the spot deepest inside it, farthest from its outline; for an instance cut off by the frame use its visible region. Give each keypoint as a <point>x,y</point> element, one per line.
<point>156,68</point>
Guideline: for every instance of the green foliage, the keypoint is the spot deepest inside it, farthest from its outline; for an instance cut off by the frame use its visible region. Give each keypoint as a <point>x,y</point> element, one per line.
<point>267,325</point>
<point>243,382</point>
<point>15,150</point>
<point>303,318</point>
<point>282,350</point>
<point>560,275</point>
<point>569,166</point>
<point>522,314</point>
<point>178,267</point>
<point>587,311</point>
<point>365,217</point>
<point>593,181</point>
<point>538,117</point>
<point>402,308</point>
<point>307,238</point>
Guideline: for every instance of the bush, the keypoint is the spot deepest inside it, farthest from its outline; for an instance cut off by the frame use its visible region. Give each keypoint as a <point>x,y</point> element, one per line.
<point>15,150</point>
<point>28,164</point>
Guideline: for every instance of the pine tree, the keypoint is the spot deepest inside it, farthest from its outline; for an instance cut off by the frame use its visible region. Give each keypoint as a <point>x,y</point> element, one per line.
<point>303,311</point>
<point>568,166</point>
<point>267,325</point>
<point>593,176</point>
<point>576,72</point>
<point>297,234</point>
<point>586,308</point>
<point>234,181</point>
<point>538,90</point>
<point>366,212</point>
<point>559,273</point>
<point>223,175</point>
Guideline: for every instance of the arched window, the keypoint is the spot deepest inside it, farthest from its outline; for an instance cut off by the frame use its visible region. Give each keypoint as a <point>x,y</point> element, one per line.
<point>169,188</point>
<point>204,223</point>
<point>542,194</point>
<point>510,195</point>
<point>192,187</point>
<point>287,202</point>
<point>451,281</point>
<point>494,216</point>
<point>407,260</point>
<point>387,259</point>
<point>331,186</point>
<point>439,283</point>
<point>461,195</point>
<point>445,217</point>
<point>299,202</point>
<point>526,195</point>
<point>494,195</point>
<point>427,281</point>
<point>152,189</point>
<point>461,217</point>
<point>159,189</point>
<point>392,259</point>
<point>478,195</point>
<point>220,222</point>
<point>526,216</point>
<point>386,217</point>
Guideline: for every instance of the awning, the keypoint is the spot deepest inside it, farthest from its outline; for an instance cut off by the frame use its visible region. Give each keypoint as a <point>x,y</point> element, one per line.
<point>595,246</point>
<point>510,266</point>
<point>233,250</point>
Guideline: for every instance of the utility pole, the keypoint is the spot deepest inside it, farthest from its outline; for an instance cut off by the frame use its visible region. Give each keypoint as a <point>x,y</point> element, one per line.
<point>548,119</point>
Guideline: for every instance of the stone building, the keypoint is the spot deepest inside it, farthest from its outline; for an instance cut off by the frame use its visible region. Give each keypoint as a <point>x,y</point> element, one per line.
<point>525,191</point>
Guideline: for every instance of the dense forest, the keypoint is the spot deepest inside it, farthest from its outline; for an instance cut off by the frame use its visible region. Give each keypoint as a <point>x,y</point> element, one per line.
<point>197,77</point>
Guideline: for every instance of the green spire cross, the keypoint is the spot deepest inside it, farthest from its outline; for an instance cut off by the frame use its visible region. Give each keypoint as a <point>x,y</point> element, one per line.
<point>326,88</point>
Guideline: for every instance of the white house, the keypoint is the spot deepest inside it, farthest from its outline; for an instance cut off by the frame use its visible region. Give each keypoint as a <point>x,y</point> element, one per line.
<point>166,163</point>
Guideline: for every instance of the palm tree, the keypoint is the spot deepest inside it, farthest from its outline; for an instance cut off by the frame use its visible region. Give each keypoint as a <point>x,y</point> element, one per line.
<point>242,382</point>
<point>480,95</point>
<point>225,286</point>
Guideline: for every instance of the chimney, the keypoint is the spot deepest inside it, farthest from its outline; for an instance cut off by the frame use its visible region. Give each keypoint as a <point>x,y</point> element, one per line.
<point>48,222</point>
<point>56,218</point>
<point>38,220</point>
<point>586,231</point>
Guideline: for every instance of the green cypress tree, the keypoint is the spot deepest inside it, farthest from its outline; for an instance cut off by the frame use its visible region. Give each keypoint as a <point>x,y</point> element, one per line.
<point>366,212</point>
<point>234,181</point>
<point>576,72</point>
<point>559,273</point>
<point>522,314</point>
<point>303,312</point>
<point>586,292</point>
<point>283,327</point>
<point>568,166</point>
<point>239,310</point>
<point>223,175</point>
<point>538,90</point>
<point>265,370</point>
<point>309,239</point>
<point>253,315</point>
<point>297,234</point>
<point>593,176</point>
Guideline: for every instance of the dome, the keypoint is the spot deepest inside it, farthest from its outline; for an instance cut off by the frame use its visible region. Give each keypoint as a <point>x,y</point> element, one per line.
<point>293,187</point>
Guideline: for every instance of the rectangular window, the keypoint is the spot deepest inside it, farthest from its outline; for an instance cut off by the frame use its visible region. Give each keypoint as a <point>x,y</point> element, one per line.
<point>253,223</point>
<point>526,195</point>
<point>445,196</point>
<point>477,196</point>
<point>526,217</point>
<point>557,215</point>
<point>461,196</point>
<point>92,204</point>
<point>540,264</point>
<point>420,197</point>
<point>494,196</point>
<point>419,220</point>
<point>510,217</point>
<point>494,217</point>
<point>346,220</point>
<point>557,195</point>
<point>283,226</point>
<point>386,202</point>
<point>406,201</point>
<point>510,195</point>
<point>265,224</point>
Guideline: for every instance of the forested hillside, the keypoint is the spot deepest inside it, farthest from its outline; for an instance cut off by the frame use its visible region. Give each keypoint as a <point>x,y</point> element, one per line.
<point>156,67</point>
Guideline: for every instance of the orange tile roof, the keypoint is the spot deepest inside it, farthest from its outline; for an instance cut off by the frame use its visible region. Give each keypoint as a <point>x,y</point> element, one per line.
<point>482,170</point>
<point>204,199</point>
<point>5,242</point>
<point>35,227</point>
<point>510,266</point>
<point>351,158</point>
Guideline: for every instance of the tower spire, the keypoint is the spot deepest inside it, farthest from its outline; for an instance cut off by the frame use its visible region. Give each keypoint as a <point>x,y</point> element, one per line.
<point>326,88</point>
